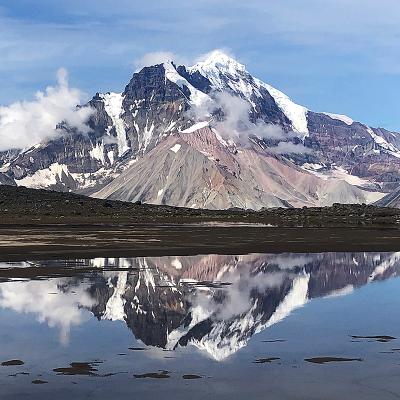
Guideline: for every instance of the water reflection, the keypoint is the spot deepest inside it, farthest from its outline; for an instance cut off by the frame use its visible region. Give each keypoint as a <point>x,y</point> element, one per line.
<point>215,303</point>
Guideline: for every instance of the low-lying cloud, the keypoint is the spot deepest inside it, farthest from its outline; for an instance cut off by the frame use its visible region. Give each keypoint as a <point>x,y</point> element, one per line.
<point>26,123</point>
<point>236,125</point>
<point>290,148</point>
<point>62,311</point>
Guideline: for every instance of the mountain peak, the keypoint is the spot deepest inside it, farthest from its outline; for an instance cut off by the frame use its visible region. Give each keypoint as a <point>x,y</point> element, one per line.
<point>218,59</point>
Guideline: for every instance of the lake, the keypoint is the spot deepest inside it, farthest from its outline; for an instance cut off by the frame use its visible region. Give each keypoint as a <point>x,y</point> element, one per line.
<point>276,326</point>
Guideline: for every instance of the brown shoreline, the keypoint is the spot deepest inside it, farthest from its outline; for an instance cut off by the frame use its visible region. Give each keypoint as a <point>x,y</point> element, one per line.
<point>55,241</point>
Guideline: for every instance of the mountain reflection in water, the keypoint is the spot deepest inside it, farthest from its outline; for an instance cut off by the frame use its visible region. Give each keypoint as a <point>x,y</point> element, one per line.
<point>214,302</point>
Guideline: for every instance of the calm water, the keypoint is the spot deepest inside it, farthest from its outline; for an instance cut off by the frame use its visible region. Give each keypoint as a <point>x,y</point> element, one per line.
<point>288,326</point>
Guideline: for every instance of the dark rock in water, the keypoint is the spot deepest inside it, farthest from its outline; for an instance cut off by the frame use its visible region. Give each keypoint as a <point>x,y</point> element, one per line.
<point>325,360</point>
<point>154,375</point>
<point>39,382</point>
<point>191,376</point>
<point>266,360</point>
<point>79,368</point>
<point>12,362</point>
<point>377,338</point>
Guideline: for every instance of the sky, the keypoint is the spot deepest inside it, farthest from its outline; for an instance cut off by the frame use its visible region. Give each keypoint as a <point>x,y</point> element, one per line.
<point>341,56</point>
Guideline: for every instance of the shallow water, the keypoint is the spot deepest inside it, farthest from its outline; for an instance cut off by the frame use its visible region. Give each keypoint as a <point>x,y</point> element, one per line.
<point>287,326</point>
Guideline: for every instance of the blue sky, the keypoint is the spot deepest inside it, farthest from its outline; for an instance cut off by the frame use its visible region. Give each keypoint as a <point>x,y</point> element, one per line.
<point>341,56</point>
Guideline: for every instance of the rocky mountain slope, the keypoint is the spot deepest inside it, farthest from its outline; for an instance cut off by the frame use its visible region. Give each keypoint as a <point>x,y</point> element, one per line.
<point>211,136</point>
<point>390,200</point>
<point>200,170</point>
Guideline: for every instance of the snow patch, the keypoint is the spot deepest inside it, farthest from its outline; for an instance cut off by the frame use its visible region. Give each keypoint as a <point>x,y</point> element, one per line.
<point>110,156</point>
<point>97,152</point>
<point>44,178</point>
<point>296,298</point>
<point>147,135</point>
<point>216,66</point>
<point>224,72</point>
<point>5,167</point>
<point>337,173</point>
<point>312,166</point>
<point>296,114</point>
<point>176,147</point>
<point>170,126</point>
<point>340,292</point>
<point>384,266</point>
<point>197,97</point>
<point>341,173</point>
<point>115,305</point>
<point>176,264</point>
<point>114,109</point>
<point>196,126</point>
<point>344,118</point>
<point>381,142</point>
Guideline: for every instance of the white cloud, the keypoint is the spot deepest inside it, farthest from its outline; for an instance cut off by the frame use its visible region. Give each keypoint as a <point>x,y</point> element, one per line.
<point>26,123</point>
<point>236,124</point>
<point>159,57</point>
<point>236,115</point>
<point>239,295</point>
<point>51,305</point>
<point>290,261</point>
<point>290,148</point>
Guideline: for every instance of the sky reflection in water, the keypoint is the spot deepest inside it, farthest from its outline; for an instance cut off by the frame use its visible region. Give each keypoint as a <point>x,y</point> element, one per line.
<point>245,324</point>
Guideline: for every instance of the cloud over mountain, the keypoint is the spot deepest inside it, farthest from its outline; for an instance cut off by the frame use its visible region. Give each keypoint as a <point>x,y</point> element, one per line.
<point>26,123</point>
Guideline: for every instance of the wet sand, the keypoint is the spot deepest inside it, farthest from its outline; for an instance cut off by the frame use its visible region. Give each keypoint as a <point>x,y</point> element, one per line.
<point>55,241</point>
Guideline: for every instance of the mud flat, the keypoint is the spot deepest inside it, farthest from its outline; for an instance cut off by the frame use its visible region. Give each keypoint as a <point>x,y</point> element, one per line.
<point>19,242</point>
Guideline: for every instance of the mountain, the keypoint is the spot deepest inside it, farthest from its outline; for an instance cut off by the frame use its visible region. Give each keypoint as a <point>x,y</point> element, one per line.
<point>390,200</point>
<point>211,136</point>
<point>200,170</point>
<point>216,303</point>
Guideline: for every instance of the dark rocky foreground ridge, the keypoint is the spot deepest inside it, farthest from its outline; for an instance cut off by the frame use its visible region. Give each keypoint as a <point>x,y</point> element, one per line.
<point>42,225</point>
<point>20,205</point>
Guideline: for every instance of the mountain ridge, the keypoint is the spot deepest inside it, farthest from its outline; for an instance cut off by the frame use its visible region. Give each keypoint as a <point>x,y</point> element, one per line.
<point>167,100</point>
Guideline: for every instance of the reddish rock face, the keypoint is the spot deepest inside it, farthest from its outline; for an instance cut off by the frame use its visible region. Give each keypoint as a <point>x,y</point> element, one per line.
<point>201,170</point>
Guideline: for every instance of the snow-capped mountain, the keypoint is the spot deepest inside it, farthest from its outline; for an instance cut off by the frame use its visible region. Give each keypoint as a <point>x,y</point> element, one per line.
<point>215,303</point>
<point>213,136</point>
